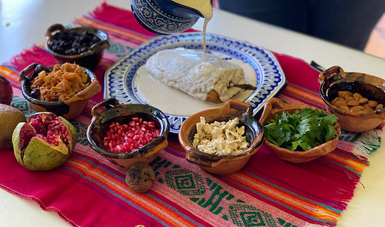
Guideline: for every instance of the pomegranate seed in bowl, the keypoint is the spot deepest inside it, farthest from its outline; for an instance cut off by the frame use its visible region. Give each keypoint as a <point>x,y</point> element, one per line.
<point>129,136</point>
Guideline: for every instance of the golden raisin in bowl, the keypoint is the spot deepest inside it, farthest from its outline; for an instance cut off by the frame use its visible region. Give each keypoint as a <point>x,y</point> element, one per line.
<point>61,83</point>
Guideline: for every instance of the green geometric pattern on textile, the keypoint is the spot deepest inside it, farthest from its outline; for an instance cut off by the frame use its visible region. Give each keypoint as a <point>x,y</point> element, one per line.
<point>81,130</point>
<point>367,142</point>
<point>210,195</point>
<point>118,50</point>
<point>23,105</point>
<point>246,215</point>
<point>283,223</point>
<point>185,182</point>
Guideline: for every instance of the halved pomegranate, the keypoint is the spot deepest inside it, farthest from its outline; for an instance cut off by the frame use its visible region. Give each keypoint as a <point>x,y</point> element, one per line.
<point>44,142</point>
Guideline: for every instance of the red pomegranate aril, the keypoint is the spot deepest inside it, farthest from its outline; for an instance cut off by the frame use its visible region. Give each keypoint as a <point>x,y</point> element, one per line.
<point>149,139</point>
<point>130,136</point>
<point>136,137</point>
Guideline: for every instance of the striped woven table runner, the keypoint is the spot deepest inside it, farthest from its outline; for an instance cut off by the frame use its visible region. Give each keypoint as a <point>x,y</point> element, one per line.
<point>88,190</point>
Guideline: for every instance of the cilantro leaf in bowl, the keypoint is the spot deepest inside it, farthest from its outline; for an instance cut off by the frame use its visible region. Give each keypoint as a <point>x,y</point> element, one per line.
<point>302,130</point>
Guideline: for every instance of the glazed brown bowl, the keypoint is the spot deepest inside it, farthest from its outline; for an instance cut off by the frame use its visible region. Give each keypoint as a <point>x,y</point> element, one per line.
<point>274,107</point>
<point>225,164</point>
<point>70,108</point>
<point>108,111</point>
<point>371,87</point>
<point>90,57</point>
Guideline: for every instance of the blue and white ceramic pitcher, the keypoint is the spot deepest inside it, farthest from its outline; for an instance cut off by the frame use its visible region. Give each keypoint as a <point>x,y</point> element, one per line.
<point>164,16</point>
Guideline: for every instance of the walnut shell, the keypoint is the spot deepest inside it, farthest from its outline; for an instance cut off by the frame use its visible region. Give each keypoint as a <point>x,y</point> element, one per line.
<point>140,177</point>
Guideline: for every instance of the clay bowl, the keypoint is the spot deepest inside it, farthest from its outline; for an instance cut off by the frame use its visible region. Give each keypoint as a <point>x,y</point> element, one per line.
<point>371,87</point>
<point>225,164</point>
<point>275,106</point>
<point>89,58</point>
<point>70,108</point>
<point>108,111</point>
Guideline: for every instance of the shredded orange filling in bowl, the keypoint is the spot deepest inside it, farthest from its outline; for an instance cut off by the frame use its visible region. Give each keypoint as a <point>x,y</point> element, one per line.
<point>62,83</point>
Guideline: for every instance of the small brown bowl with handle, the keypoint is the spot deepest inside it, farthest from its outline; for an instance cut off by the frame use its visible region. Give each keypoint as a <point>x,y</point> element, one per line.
<point>69,108</point>
<point>365,111</point>
<point>222,164</point>
<point>111,111</point>
<point>275,106</point>
<point>81,45</point>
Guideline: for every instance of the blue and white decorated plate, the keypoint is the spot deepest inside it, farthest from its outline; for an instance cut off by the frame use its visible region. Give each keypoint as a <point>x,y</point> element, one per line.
<point>129,82</point>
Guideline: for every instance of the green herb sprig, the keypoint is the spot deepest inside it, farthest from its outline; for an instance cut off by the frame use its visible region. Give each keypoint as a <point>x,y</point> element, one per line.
<point>302,130</point>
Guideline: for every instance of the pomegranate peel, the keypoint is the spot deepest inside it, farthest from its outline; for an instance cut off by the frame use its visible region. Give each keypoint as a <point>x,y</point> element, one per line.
<point>44,142</point>
<point>6,93</point>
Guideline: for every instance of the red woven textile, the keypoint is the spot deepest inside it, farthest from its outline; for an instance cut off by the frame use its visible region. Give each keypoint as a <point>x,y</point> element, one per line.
<point>88,190</point>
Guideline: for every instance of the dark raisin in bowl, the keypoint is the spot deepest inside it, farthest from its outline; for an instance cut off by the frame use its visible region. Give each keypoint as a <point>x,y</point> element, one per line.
<point>83,45</point>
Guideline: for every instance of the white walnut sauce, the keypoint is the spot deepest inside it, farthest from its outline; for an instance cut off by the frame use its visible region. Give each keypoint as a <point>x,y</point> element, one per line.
<point>205,8</point>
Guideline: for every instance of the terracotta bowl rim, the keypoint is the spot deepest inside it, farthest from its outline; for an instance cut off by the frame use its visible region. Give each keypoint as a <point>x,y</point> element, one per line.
<point>247,152</point>
<point>337,110</point>
<point>311,150</point>
<point>164,130</point>
<point>51,103</point>
<point>93,31</point>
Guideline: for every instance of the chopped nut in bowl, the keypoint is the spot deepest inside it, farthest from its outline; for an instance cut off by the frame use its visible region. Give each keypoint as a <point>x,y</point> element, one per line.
<point>221,140</point>
<point>298,133</point>
<point>61,89</point>
<point>357,99</point>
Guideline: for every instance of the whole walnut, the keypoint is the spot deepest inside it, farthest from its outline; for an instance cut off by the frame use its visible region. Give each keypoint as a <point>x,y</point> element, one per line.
<point>140,177</point>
